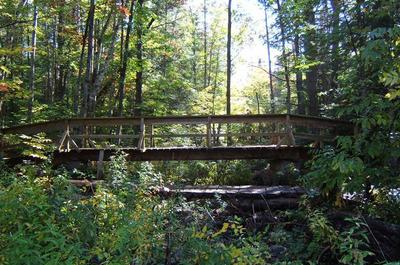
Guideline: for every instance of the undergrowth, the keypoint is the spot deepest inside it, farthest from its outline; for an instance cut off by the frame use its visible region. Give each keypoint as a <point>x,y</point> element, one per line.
<point>45,220</point>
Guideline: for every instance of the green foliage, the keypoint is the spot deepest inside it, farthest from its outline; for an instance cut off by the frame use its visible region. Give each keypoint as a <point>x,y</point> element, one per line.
<point>44,221</point>
<point>365,159</point>
<point>30,229</point>
<point>118,170</point>
<point>349,246</point>
<point>353,243</point>
<point>31,147</point>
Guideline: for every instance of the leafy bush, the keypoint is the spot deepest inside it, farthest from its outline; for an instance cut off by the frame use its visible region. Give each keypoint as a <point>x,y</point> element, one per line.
<point>44,220</point>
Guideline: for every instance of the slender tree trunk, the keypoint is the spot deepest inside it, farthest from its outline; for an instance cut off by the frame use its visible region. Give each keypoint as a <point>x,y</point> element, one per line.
<point>310,51</point>
<point>32,61</point>
<point>301,104</point>
<point>89,60</point>
<point>284,57</point>
<point>105,66</point>
<point>54,64</point>
<point>229,60</point>
<point>194,51</point>
<point>121,89</point>
<point>98,73</point>
<point>335,44</point>
<point>229,71</point>
<point>139,58</point>
<point>205,44</point>
<point>60,89</point>
<point>81,58</point>
<point>271,87</point>
<point>49,88</point>
<point>215,87</point>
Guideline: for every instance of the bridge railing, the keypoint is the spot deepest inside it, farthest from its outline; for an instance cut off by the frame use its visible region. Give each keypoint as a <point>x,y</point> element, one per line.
<point>198,131</point>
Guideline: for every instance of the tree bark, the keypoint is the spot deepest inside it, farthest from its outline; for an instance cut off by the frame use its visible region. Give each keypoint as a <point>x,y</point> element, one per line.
<point>284,58</point>
<point>229,60</point>
<point>104,67</point>
<point>98,72</point>
<point>271,87</point>
<point>89,60</point>
<point>311,74</point>
<point>194,50</point>
<point>32,61</point>
<point>60,82</point>
<point>139,59</point>
<point>301,104</point>
<point>335,44</point>
<point>205,45</point>
<point>121,89</point>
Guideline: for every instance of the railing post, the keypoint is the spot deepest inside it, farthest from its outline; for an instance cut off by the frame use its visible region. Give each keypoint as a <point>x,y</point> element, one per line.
<point>119,134</point>
<point>151,135</point>
<point>85,136</point>
<point>64,137</point>
<point>141,143</point>
<point>208,132</point>
<point>321,140</point>
<point>100,164</point>
<point>68,137</point>
<point>289,131</point>
<point>2,145</point>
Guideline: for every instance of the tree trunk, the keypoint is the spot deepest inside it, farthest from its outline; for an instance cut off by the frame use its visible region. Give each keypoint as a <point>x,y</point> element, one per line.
<point>139,58</point>
<point>301,100</point>
<point>205,45</point>
<point>311,74</point>
<point>99,72</point>
<point>335,44</point>
<point>60,89</point>
<point>89,59</point>
<point>32,61</point>
<point>194,49</point>
<point>284,57</point>
<point>81,58</point>
<point>121,89</point>
<point>271,87</point>
<point>229,60</point>
<point>105,66</point>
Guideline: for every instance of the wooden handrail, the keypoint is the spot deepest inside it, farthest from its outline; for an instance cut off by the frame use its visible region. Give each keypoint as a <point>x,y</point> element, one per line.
<point>59,125</point>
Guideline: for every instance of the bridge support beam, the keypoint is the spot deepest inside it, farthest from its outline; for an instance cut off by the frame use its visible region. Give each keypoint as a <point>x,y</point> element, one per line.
<point>215,153</point>
<point>100,165</point>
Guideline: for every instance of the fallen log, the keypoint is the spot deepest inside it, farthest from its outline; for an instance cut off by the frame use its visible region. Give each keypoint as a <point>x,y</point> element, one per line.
<point>85,183</point>
<point>260,198</point>
<point>249,192</point>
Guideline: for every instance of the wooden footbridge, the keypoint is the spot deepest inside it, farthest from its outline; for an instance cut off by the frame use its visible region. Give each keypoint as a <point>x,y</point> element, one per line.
<point>279,137</point>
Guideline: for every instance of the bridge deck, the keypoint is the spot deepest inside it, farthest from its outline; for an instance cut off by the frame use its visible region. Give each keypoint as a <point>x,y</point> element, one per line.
<point>293,153</point>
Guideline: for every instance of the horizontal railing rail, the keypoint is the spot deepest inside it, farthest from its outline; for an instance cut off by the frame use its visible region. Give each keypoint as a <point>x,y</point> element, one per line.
<point>49,126</point>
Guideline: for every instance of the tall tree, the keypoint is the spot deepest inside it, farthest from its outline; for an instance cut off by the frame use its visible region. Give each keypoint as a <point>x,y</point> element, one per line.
<point>80,71</point>
<point>124,64</point>
<point>284,56</point>
<point>139,59</point>
<point>32,61</point>
<point>270,81</point>
<point>87,84</point>
<point>310,51</point>
<point>301,99</point>
<point>229,60</point>
<point>205,43</point>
